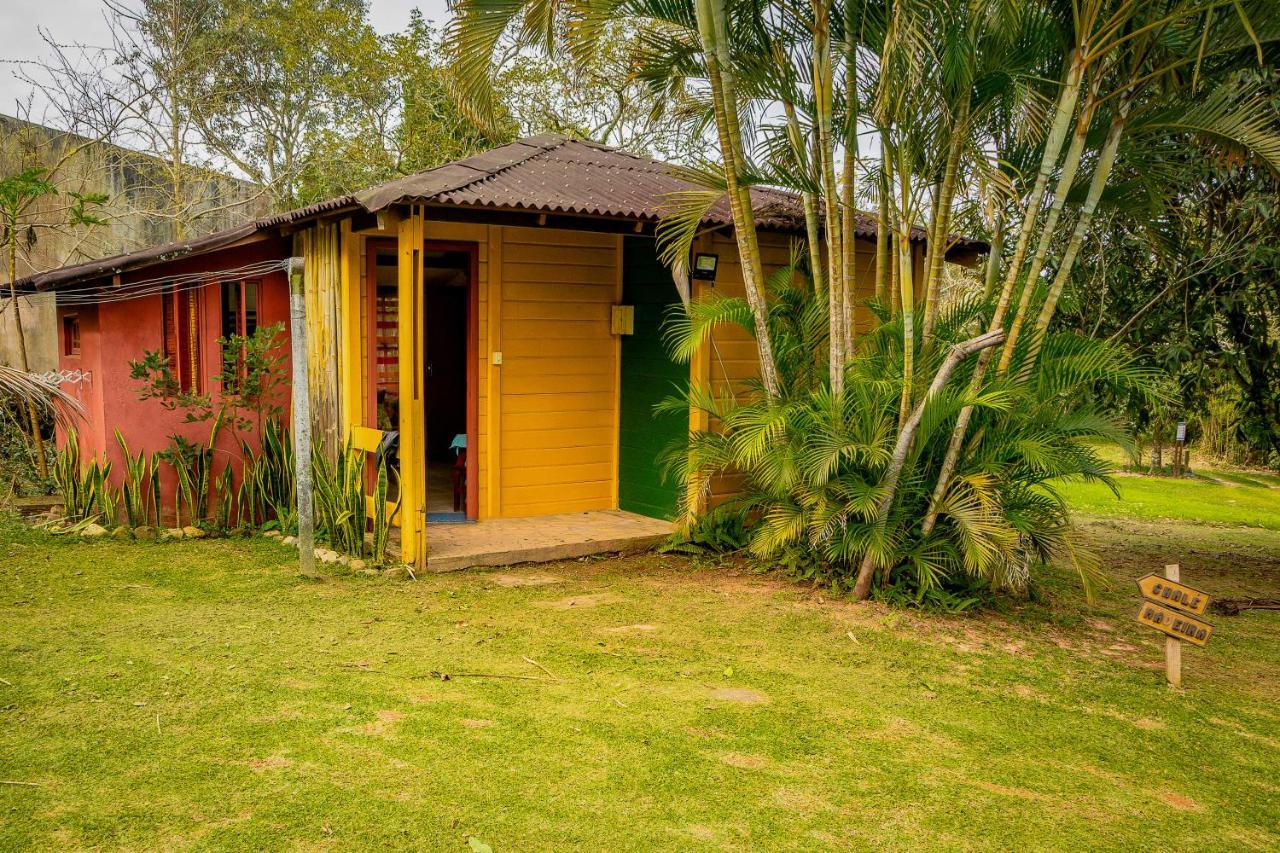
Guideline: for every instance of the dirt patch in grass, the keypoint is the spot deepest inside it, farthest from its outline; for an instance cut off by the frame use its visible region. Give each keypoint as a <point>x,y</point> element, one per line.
<point>383,721</point>
<point>744,695</point>
<point>705,733</point>
<point>511,581</point>
<point>802,802</point>
<point>746,762</point>
<point>1180,801</point>
<point>1005,791</point>
<point>580,602</point>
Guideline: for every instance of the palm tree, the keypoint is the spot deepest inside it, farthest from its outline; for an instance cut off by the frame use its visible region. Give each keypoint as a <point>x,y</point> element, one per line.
<point>30,392</point>
<point>1138,56</point>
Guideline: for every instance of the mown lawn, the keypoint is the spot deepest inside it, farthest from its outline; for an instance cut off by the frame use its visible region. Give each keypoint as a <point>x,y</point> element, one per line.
<point>200,694</point>
<point>1215,497</point>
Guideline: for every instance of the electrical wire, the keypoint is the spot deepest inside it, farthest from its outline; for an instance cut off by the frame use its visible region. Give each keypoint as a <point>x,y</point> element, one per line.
<point>165,284</point>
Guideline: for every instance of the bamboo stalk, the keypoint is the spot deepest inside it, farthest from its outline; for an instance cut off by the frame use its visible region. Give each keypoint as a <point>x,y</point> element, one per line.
<point>906,287</point>
<point>848,184</point>
<point>1049,157</point>
<point>882,238</point>
<point>809,200</point>
<point>823,83</point>
<point>1106,159</point>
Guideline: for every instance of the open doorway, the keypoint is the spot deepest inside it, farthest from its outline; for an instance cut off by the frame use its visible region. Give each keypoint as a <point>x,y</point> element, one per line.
<point>449,279</point>
<point>449,351</point>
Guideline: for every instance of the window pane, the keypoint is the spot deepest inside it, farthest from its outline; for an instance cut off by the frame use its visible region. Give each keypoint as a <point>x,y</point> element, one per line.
<point>170,324</point>
<point>71,335</point>
<point>230,308</point>
<point>250,308</point>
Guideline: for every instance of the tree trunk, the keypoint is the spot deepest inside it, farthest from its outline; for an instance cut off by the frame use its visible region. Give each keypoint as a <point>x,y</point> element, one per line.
<point>1106,159</point>
<point>1070,166</point>
<point>712,31</point>
<point>993,256</point>
<point>941,225</point>
<point>882,241</point>
<point>1048,159</point>
<point>848,182</point>
<point>33,417</point>
<point>823,83</point>
<point>906,287</point>
<point>811,225</point>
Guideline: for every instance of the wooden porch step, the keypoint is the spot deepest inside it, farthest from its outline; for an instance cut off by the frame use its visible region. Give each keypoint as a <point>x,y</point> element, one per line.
<point>541,539</point>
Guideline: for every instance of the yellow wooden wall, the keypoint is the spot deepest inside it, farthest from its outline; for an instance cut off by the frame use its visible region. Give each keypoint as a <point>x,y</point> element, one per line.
<point>558,414</point>
<point>548,418</point>
<point>548,415</point>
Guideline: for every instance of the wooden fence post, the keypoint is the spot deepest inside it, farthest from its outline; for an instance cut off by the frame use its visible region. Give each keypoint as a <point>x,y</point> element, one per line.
<point>1172,647</point>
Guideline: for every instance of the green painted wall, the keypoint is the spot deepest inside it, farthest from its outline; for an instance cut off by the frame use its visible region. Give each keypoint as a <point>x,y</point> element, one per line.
<point>648,376</point>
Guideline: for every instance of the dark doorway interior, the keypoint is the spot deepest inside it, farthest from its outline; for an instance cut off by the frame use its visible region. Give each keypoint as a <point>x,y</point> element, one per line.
<point>447,275</point>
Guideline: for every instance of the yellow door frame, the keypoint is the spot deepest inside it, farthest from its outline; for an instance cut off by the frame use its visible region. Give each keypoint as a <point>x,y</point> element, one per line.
<point>413,415</point>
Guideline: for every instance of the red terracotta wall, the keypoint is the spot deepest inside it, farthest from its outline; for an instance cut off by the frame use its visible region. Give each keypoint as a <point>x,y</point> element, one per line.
<point>114,333</point>
<point>88,365</point>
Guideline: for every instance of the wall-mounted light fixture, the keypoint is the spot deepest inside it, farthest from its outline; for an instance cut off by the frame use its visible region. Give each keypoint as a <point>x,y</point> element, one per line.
<point>704,266</point>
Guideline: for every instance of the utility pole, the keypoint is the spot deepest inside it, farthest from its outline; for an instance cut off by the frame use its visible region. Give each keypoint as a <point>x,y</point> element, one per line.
<point>301,420</point>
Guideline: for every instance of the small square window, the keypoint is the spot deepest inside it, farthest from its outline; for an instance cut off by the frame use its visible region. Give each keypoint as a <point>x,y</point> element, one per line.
<point>71,335</point>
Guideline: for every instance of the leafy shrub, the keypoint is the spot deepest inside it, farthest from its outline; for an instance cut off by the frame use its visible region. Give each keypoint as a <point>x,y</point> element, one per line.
<point>814,466</point>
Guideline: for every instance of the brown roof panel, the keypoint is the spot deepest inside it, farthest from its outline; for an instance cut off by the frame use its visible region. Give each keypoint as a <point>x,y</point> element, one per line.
<point>103,267</point>
<point>546,173</point>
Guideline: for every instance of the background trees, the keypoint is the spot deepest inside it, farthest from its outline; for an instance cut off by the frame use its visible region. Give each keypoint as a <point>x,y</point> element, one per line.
<point>306,100</point>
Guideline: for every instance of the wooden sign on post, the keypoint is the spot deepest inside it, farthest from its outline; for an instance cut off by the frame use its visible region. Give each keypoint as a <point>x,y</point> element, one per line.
<point>1168,591</point>
<point>1180,626</point>
<point>1171,607</point>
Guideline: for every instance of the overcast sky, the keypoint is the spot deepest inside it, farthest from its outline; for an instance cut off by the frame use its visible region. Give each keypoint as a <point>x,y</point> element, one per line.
<point>81,21</point>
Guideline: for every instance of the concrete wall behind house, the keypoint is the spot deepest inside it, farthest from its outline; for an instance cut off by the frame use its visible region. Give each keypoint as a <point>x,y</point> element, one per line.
<point>137,213</point>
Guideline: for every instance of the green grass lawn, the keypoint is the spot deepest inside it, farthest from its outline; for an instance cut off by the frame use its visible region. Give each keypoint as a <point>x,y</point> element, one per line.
<point>200,694</point>
<point>1217,497</point>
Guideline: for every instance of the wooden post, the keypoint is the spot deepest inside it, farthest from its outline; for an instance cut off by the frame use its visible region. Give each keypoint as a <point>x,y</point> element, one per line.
<point>301,401</point>
<point>1172,647</point>
<point>409,334</point>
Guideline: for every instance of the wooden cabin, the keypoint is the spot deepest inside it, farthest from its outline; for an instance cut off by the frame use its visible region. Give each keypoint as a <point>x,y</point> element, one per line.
<point>501,313</point>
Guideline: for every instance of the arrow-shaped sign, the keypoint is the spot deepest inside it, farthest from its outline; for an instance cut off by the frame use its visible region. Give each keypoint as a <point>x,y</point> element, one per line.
<point>1173,594</point>
<point>1180,626</point>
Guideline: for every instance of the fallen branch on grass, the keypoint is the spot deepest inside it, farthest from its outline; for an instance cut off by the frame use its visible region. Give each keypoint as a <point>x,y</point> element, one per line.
<point>1233,606</point>
<point>449,676</point>
<point>541,667</point>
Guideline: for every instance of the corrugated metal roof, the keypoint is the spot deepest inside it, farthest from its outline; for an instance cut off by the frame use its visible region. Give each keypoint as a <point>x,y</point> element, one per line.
<point>103,267</point>
<point>553,174</point>
<point>545,174</point>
